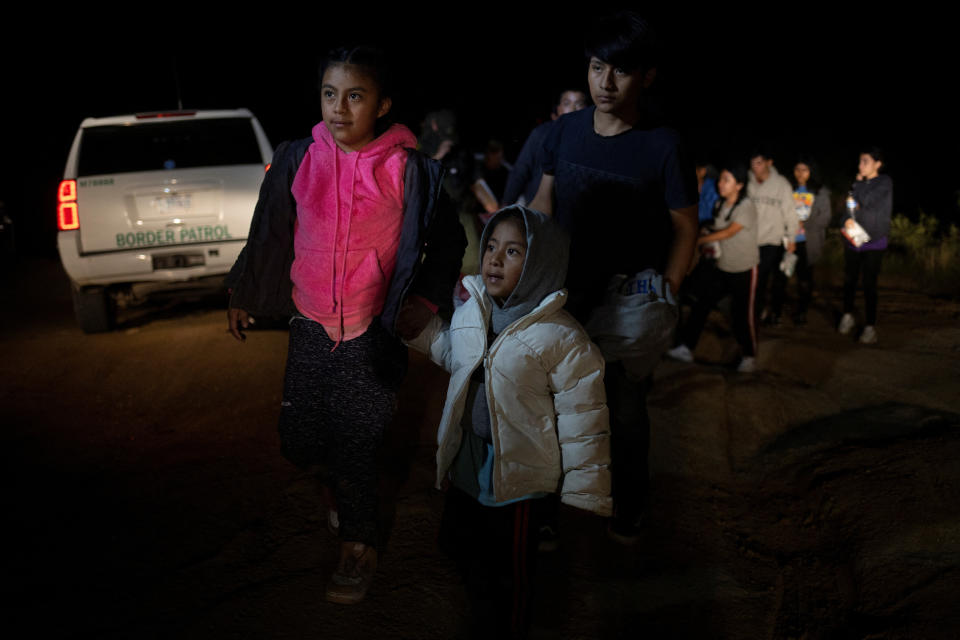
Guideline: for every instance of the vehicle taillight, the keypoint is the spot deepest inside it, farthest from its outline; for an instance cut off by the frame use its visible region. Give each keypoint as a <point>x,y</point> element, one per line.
<point>67,217</point>
<point>267,168</point>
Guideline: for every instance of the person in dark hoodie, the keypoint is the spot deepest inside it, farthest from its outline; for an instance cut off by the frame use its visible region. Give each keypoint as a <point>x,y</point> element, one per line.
<point>525,414</point>
<point>872,200</point>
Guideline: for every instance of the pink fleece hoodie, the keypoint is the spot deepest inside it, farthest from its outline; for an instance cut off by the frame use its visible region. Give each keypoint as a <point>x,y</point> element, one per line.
<point>349,217</point>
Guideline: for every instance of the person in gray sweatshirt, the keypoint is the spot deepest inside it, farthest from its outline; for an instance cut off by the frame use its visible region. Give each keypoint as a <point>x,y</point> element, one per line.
<point>772,196</point>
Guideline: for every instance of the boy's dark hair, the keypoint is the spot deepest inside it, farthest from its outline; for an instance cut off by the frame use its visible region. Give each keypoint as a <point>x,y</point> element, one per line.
<point>624,40</point>
<point>763,151</point>
<point>815,181</point>
<point>874,152</point>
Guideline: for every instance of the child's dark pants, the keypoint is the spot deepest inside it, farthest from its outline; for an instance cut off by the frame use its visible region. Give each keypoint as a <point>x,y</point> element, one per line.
<point>770,257</point>
<point>495,550</point>
<point>742,286</point>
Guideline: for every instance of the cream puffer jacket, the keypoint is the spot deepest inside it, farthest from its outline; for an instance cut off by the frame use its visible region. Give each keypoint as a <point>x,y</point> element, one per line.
<point>544,387</point>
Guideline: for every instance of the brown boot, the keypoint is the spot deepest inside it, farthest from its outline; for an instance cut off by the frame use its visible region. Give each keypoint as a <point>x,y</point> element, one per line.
<point>349,583</point>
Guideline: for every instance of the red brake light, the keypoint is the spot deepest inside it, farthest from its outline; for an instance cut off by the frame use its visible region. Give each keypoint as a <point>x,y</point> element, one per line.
<point>67,217</point>
<point>67,191</point>
<point>267,168</point>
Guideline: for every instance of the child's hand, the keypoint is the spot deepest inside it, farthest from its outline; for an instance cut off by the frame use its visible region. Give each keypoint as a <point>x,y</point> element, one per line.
<point>413,318</point>
<point>237,321</point>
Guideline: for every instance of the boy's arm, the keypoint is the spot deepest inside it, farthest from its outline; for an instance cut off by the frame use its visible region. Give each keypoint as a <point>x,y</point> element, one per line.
<point>543,201</point>
<point>522,172</point>
<point>583,427</point>
<point>481,190</point>
<point>685,232</point>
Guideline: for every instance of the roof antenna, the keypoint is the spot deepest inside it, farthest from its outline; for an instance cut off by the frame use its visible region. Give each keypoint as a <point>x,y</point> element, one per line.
<point>176,80</point>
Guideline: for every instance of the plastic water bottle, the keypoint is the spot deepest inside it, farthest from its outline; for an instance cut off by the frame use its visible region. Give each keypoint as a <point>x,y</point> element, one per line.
<point>851,204</point>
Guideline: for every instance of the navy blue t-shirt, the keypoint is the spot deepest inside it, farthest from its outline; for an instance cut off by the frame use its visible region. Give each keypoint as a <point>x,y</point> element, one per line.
<point>614,195</point>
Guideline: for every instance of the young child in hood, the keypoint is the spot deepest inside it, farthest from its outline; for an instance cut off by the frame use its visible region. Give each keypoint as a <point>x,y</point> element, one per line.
<point>525,414</point>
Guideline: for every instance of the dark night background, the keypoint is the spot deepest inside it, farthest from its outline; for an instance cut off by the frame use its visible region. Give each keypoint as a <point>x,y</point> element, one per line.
<point>145,493</point>
<point>823,81</point>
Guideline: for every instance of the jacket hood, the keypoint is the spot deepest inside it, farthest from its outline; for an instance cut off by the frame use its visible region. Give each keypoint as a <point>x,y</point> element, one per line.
<point>396,136</point>
<point>544,269</point>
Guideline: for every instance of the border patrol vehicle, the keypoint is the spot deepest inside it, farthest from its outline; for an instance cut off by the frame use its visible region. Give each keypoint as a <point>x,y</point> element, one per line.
<point>156,201</point>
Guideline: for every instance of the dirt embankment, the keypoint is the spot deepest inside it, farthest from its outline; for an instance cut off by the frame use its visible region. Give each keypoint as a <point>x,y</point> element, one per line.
<point>146,497</point>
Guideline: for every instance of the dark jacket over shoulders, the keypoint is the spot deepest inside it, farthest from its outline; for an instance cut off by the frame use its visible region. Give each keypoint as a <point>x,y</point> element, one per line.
<point>428,257</point>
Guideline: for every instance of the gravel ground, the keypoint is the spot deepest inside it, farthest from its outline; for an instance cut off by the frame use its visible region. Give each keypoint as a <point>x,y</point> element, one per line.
<point>145,497</point>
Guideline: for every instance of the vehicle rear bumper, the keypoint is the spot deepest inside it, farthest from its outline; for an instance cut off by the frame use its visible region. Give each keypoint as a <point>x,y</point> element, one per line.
<point>139,265</point>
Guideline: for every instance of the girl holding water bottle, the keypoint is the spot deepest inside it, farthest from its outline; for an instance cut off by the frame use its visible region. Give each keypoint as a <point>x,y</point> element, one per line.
<point>869,207</point>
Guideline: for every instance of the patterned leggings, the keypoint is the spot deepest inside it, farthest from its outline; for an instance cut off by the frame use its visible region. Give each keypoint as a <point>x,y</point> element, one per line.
<point>336,405</point>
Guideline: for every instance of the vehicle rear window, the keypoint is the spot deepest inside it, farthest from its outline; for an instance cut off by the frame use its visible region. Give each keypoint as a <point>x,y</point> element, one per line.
<point>178,144</point>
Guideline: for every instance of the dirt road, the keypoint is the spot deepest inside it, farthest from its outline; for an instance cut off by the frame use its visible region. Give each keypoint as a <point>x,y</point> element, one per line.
<point>144,495</point>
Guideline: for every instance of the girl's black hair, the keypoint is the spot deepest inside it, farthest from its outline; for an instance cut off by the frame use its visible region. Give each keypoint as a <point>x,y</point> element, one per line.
<point>375,63</point>
<point>815,181</point>
<point>624,40</point>
<point>739,172</point>
<point>874,152</point>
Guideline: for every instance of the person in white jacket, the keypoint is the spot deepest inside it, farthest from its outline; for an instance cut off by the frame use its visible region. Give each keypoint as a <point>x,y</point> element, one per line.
<point>525,413</point>
<point>777,223</point>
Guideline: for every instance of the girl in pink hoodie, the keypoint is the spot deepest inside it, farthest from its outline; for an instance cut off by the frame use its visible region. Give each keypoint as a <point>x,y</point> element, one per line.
<point>357,241</point>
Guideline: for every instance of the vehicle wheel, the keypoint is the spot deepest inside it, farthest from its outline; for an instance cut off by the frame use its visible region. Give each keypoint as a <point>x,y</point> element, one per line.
<point>94,309</point>
<point>8,247</point>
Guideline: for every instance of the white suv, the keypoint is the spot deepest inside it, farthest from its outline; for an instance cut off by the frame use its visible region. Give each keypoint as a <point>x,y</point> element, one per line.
<point>158,198</point>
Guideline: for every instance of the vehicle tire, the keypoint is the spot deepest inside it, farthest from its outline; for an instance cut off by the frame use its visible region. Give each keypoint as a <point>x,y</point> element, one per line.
<point>8,246</point>
<point>94,309</point>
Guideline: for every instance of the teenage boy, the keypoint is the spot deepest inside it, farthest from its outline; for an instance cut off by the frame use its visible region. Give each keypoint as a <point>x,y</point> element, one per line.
<point>772,196</point>
<point>624,189</point>
<point>525,176</point>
